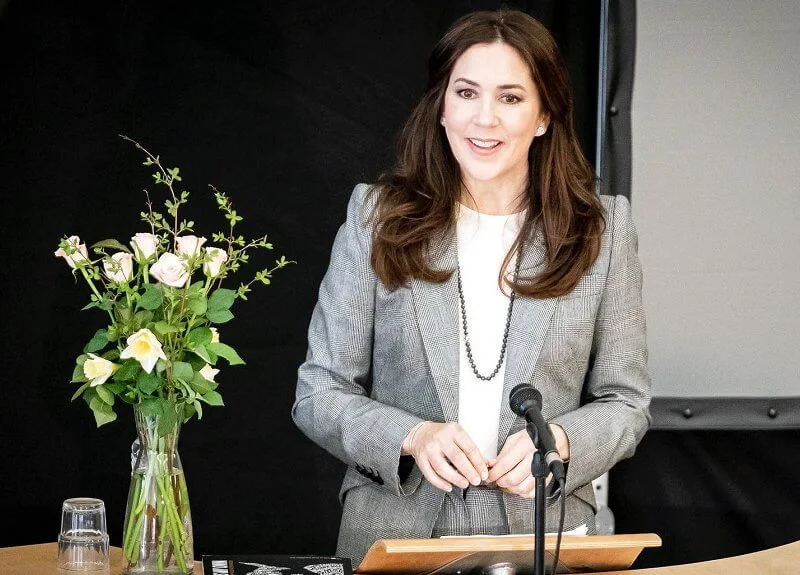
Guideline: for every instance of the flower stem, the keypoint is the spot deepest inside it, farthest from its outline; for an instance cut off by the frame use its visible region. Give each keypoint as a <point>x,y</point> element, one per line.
<point>96,293</point>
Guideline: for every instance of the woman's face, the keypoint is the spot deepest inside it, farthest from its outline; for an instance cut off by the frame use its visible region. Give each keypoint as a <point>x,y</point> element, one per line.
<point>491,114</point>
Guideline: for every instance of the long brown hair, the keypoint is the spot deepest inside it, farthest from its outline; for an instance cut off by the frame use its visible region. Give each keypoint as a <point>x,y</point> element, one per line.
<point>417,200</point>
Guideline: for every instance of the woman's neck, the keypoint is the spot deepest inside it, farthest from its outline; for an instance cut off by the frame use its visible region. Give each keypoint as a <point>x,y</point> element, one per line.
<point>495,198</point>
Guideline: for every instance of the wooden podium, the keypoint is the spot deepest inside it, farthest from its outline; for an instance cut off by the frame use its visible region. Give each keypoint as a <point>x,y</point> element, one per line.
<point>464,555</point>
<point>783,560</point>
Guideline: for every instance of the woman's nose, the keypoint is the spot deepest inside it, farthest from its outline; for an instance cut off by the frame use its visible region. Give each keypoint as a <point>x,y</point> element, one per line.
<point>486,113</point>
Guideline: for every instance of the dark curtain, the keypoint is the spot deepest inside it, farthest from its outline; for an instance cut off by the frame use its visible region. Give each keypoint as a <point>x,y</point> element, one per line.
<point>709,494</point>
<point>283,105</point>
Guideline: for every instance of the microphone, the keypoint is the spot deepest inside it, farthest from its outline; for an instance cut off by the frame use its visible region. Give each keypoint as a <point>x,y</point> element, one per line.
<point>526,402</point>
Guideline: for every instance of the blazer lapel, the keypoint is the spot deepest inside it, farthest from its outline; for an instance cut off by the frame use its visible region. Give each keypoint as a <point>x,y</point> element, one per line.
<point>529,323</point>
<point>436,306</point>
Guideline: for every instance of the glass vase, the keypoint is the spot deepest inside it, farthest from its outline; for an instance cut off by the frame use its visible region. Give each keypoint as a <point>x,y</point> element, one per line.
<point>157,536</point>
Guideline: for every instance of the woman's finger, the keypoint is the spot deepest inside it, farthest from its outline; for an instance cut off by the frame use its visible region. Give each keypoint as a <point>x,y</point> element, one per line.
<point>516,448</point>
<point>473,455</point>
<point>527,488</point>
<point>519,473</point>
<point>431,475</point>
<point>447,472</point>
<point>462,463</point>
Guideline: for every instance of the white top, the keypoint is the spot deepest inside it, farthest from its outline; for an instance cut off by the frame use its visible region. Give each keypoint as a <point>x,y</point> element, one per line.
<point>483,242</point>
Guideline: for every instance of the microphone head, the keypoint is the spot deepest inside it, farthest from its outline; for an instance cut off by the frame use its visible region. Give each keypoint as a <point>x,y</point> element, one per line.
<point>523,397</point>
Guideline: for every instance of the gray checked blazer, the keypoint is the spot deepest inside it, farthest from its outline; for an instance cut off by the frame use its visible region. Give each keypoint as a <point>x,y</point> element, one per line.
<point>381,361</point>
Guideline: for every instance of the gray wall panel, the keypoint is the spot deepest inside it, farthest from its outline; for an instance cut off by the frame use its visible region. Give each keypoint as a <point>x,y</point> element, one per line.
<point>716,194</point>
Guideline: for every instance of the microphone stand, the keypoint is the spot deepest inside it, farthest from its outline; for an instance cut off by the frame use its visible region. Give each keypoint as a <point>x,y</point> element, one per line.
<point>539,471</point>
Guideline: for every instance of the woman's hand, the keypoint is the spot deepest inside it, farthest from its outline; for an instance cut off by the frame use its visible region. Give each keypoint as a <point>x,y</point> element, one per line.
<point>511,470</point>
<point>446,455</point>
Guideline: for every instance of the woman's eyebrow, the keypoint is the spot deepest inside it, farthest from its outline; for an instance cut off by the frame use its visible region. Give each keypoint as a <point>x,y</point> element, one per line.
<point>500,87</point>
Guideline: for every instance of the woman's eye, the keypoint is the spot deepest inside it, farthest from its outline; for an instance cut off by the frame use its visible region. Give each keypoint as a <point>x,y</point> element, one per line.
<point>510,99</point>
<point>467,93</point>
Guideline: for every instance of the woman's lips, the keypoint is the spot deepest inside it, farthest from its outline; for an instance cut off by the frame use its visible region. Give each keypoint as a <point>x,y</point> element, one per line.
<point>484,148</point>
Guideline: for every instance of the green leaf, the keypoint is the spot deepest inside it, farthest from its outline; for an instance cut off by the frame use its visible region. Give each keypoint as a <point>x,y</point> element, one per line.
<point>227,352</point>
<point>197,304</point>
<point>200,384</point>
<point>98,341</point>
<point>189,410</point>
<point>182,370</point>
<point>163,328</point>
<point>79,391</point>
<point>142,318</point>
<point>114,244</point>
<point>103,413</point>
<point>200,336</point>
<point>124,313</point>
<point>77,375</point>
<point>221,299</point>
<point>147,383</point>
<point>103,417</point>
<point>81,359</point>
<point>198,407</point>
<point>213,398</point>
<point>111,355</point>
<point>104,394</point>
<point>151,407</point>
<point>106,304</point>
<point>221,316</point>
<point>202,352</point>
<point>115,387</point>
<point>151,298</point>
<point>169,418</point>
<point>196,363</point>
<point>127,370</point>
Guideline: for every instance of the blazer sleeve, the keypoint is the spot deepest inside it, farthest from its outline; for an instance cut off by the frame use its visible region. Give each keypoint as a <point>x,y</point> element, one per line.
<point>332,405</point>
<point>614,414</point>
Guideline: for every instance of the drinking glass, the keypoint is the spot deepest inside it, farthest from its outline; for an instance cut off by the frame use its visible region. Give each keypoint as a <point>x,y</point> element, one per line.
<point>83,540</point>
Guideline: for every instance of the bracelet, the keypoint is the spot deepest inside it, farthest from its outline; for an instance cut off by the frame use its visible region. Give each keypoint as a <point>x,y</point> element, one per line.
<point>411,437</point>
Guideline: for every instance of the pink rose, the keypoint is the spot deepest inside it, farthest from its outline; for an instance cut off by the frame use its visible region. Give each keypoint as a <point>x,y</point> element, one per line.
<point>79,256</point>
<point>215,257</point>
<point>189,246</point>
<point>144,246</point>
<point>122,270</point>
<point>170,270</point>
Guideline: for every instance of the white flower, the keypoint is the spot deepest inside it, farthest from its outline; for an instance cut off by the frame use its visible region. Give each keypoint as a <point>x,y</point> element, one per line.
<point>214,335</point>
<point>144,347</point>
<point>189,246</point>
<point>97,370</point>
<point>170,270</point>
<point>215,257</point>
<point>122,271</point>
<point>76,258</point>
<point>208,372</point>
<point>144,245</point>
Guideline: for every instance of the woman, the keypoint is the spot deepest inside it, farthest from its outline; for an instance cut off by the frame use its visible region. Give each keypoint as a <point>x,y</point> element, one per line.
<point>483,260</point>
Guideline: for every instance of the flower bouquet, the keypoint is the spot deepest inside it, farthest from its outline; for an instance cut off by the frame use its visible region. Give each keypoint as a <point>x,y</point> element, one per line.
<point>163,299</point>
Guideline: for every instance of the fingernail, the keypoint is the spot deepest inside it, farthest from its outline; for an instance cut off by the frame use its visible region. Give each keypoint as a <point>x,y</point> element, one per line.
<point>476,481</point>
<point>449,488</point>
<point>485,475</point>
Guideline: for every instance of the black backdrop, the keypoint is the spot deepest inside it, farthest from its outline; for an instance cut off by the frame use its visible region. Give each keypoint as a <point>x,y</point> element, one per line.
<point>284,105</point>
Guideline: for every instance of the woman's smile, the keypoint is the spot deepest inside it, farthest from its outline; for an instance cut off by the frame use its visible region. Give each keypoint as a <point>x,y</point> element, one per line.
<point>482,147</point>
